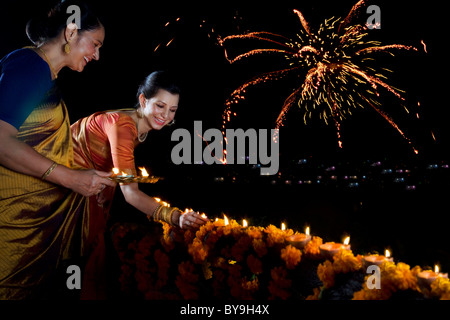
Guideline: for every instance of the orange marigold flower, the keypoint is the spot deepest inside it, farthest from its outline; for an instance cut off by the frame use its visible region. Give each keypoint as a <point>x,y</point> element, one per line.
<point>315,295</point>
<point>186,279</point>
<point>279,284</point>
<point>163,262</point>
<point>260,247</point>
<point>255,232</point>
<point>325,272</point>
<point>240,247</point>
<point>275,235</point>
<point>291,255</point>
<point>197,251</point>
<point>312,247</point>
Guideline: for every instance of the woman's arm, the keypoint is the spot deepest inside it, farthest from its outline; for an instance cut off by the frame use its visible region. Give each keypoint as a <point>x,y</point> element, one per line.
<point>147,205</point>
<point>18,156</point>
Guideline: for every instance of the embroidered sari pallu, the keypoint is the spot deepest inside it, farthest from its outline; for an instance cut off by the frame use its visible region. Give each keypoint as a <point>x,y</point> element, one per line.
<point>38,220</point>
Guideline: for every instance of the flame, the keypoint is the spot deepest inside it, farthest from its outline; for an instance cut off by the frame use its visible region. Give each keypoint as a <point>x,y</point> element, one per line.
<point>283,226</point>
<point>115,170</point>
<point>203,215</point>
<point>387,253</point>
<point>347,241</point>
<point>165,204</point>
<point>143,172</point>
<point>123,173</point>
<point>157,199</point>
<point>225,219</point>
<point>436,268</point>
<point>307,231</point>
<point>244,223</point>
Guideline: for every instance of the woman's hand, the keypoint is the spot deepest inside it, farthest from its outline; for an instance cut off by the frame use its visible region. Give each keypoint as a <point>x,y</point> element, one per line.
<point>88,182</point>
<point>18,156</point>
<point>191,220</point>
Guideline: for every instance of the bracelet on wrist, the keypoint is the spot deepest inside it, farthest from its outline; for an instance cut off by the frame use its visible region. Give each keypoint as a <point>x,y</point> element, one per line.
<point>47,173</point>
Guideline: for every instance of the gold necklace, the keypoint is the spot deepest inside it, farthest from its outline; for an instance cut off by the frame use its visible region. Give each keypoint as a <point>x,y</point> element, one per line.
<point>55,75</point>
<point>143,136</point>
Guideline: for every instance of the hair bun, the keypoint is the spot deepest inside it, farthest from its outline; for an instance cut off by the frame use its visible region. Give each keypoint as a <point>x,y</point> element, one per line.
<point>37,30</point>
<point>47,25</point>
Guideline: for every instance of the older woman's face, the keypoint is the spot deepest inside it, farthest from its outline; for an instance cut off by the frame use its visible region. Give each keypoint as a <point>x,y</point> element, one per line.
<point>160,110</point>
<point>85,48</point>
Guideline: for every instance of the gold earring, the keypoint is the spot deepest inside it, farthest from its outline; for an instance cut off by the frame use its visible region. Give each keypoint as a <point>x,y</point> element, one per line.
<point>139,113</point>
<point>67,48</point>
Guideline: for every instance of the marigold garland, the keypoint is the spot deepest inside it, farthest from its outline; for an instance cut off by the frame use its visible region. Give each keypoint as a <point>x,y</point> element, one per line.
<point>393,277</point>
<point>343,262</point>
<point>231,261</point>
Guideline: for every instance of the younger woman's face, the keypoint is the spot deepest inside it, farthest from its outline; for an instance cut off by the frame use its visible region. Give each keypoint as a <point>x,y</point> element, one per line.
<point>85,48</point>
<point>159,110</point>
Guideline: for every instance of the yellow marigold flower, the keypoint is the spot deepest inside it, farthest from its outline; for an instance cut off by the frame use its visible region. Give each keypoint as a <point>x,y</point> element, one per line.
<point>441,288</point>
<point>291,255</point>
<point>345,261</point>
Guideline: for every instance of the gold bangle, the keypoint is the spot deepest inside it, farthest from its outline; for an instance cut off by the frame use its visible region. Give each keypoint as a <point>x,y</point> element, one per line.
<point>155,212</point>
<point>165,214</point>
<point>47,173</point>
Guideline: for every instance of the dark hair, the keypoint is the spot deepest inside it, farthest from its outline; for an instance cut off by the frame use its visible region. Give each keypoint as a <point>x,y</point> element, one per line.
<point>158,80</point>
<point>48,25</point>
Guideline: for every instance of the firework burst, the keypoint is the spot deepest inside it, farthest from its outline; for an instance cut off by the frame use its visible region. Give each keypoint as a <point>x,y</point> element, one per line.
<point>334,65</point>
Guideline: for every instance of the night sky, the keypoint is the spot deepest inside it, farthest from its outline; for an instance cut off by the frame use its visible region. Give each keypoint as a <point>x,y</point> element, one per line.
<point>135,28</point>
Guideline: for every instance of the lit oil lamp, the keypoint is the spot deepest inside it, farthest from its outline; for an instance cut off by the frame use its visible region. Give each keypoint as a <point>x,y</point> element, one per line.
<point>376,259</point>
<point>300,240</point>
<point>329,249</point>
<point>221,222</point>
<point>129,178</point>
<point>162,202</point>
<point>426,277</point>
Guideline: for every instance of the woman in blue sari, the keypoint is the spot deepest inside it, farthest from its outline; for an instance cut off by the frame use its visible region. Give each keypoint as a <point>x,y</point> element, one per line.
<point>42,195</point>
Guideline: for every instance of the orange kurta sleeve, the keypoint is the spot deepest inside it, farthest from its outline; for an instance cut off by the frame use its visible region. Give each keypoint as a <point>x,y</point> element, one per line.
<point>122,136</point>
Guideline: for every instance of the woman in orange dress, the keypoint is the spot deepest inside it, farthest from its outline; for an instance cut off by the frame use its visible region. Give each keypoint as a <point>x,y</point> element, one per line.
<point>106,140</point>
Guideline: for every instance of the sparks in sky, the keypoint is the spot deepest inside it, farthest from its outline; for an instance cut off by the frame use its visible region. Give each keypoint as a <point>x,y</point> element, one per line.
<point>334,65</point>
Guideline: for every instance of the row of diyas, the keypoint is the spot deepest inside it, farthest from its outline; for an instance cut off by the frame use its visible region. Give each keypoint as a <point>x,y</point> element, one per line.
<point>329,249</point>
<point>128,178</point>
